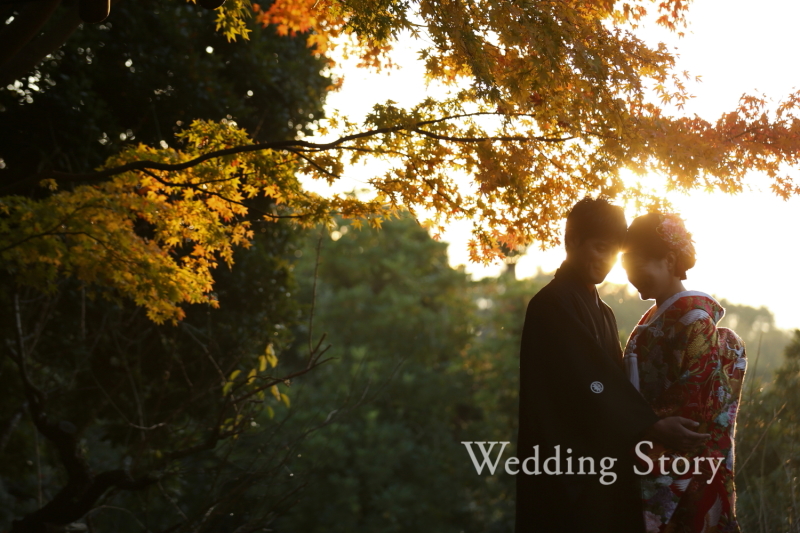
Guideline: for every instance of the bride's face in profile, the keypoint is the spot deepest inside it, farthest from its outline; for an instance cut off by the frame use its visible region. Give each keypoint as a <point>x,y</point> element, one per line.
<point>652,277</point>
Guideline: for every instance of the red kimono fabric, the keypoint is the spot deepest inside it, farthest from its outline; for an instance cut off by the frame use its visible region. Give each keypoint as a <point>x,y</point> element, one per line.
<point>689,367</point>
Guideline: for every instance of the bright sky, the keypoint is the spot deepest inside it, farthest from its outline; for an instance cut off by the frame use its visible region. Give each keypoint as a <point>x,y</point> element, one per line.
<point>746,251</point>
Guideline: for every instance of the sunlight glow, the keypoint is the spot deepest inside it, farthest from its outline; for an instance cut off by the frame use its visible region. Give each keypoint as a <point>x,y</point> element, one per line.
<point>744,249</point>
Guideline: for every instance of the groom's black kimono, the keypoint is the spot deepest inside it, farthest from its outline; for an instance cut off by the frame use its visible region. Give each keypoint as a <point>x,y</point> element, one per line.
<point>574,393</point>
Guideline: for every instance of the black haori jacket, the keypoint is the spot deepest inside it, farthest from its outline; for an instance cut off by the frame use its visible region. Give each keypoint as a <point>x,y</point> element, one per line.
<point>574,394</point>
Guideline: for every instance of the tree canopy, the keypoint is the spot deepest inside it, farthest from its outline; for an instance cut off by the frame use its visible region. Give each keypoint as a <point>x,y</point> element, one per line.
<point>548,101</point>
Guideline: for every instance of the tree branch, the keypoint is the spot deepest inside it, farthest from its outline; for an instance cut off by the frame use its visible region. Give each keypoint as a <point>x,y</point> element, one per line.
<point>514,138</point>
<point>198,189</point>
<point>94,177</point>
<point>68,505</point>
<point>83,488</point>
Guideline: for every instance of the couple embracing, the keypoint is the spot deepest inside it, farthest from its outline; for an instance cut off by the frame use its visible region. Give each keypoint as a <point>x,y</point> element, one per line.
<point>664,407</point>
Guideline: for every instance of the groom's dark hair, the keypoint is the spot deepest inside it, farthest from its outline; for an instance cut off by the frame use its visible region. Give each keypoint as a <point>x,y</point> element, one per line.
<point>596,217</point>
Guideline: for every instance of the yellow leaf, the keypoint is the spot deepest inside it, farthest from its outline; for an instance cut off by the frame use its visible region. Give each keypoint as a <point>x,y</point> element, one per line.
<point>271,357</point>
<point>49,183</point>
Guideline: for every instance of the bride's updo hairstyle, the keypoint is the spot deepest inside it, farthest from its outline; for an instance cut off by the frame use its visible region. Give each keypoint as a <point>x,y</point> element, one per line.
<point>654,235</point>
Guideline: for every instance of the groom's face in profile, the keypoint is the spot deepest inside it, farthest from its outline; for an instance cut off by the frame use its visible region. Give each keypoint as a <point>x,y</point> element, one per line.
<point>593,257</point>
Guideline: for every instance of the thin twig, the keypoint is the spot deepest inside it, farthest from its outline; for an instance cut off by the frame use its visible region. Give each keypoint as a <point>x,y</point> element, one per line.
<point>775,417</point>
<point>314,292</point>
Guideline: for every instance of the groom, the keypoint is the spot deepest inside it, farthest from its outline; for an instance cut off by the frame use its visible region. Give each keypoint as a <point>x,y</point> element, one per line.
<point>575,399</point>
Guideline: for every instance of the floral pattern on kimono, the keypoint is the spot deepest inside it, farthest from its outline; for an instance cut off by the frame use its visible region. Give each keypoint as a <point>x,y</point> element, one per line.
<point>689,367</point>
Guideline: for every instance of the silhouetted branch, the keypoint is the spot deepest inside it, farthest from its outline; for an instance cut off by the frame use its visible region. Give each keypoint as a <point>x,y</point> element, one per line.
<point>99,176</point>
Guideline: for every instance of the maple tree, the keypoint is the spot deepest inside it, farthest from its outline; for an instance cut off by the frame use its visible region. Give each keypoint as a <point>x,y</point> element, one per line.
<point>548,101</point>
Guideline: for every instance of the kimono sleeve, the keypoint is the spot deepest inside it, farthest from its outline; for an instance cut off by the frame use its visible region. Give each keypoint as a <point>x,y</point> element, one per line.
<point>695,338</point>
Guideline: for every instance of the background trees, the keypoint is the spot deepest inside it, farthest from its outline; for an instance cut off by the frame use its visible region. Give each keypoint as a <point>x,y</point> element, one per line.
<point>424,358</point>
<point>767,448</point>
<point>398,320</point>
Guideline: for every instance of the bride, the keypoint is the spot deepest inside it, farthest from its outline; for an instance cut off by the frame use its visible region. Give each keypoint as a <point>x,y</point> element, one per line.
<point>683,365</point>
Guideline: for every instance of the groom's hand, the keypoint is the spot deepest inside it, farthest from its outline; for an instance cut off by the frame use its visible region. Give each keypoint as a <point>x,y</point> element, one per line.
<point>674,432</point>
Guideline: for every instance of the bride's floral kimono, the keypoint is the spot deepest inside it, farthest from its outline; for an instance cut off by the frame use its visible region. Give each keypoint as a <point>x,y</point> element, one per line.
<point>684,365</point>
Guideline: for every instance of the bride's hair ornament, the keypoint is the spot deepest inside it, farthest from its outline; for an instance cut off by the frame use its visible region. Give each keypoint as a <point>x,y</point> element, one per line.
<point>673,231</point>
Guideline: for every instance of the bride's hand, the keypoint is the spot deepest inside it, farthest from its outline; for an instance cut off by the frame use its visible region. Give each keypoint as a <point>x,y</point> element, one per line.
<point>674,432</point>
